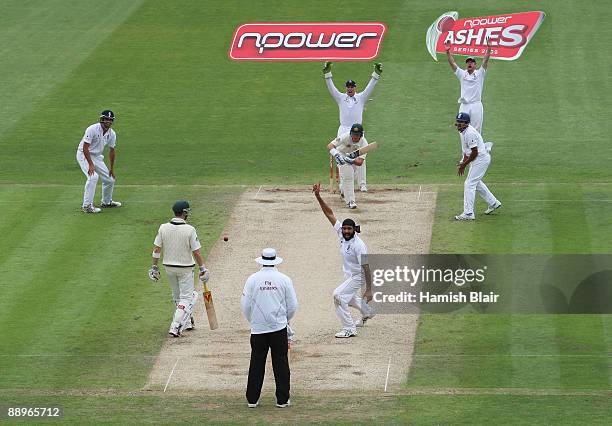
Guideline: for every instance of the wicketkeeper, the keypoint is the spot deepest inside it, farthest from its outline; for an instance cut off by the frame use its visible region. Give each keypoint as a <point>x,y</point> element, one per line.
<point>181,246</point>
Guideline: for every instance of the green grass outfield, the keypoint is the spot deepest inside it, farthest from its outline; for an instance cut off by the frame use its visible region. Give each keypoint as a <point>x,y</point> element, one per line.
<point>80,323</point>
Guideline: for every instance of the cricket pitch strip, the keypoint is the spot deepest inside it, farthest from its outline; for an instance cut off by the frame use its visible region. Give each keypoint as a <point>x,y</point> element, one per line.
<point>289,219</point>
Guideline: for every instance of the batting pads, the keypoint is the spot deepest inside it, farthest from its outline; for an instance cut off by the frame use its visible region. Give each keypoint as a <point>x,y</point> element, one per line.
<point>183,311</point>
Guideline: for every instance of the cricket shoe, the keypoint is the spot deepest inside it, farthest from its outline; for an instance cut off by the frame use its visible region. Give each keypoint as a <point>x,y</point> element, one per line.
<point>364,320</point>
<point>341,194</point>
<point>492,208</point>
<point>175,329</point>
<point>363,187</point>
<point>90,209</point>
<point>464,216</point>
<point>190,325</point>
<point>110,205</point>
<point>344,333</point>
<point>285,405</point>
<point>351,205</point>
<point>253,405</point>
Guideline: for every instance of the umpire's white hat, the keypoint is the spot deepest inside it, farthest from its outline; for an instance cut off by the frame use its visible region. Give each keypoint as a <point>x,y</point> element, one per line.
<point>269,258</point>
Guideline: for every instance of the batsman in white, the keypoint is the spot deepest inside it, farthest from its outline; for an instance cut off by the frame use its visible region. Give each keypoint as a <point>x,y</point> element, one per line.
<point>472,83</point>
<point>351,105</point>
<point>477,154</point>
<point>181,246</point>
<point>90,158</point>
<point>339,148</point>
<point>356,271</point>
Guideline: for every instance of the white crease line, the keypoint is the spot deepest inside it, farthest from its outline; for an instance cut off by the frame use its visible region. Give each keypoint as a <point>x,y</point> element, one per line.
<point>419,196</point>
<point>388,369</point>
<point>170,376</point>
<point>260,186</point>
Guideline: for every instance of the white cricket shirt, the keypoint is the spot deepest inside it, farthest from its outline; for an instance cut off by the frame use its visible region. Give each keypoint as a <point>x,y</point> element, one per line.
<point>178,240</point>
<point>351,107</point>
<point>268,300</point>
<point>354,254</point>
<point>470,138</point>
<point>471,85</point>
<point>344,143</point>
<point>96,140</point>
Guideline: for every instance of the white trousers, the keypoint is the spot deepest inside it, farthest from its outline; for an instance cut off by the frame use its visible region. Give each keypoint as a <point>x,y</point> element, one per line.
<point>182,285</point>
<point>360,172</point>
<point>101,171</point>
<point>473,183</point>
<point>345,295</point>
<point>347,181</point>
<point>476,114</point>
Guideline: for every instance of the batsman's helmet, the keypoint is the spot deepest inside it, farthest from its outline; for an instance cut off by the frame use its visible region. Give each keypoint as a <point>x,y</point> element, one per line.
<point>357,129</point>
<point>463,117</point>
<point>181,207</point>
<point>108,114</point>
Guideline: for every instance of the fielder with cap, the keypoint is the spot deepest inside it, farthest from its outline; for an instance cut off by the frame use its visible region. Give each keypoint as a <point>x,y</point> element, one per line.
<point>339,148</point>
<point>91,159</point>
<point>356,271</point>
<point>472,83</point>
<point>476,153</point>
<point>180,245</point>
<point>351,105</point>
<point>268,303</point>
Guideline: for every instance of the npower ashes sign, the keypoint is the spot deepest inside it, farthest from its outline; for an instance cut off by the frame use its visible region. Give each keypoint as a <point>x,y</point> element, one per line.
<point>307,41</point>
<point>509,34</point>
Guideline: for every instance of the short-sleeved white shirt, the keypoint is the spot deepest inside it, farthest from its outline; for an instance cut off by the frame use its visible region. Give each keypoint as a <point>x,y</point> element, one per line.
<point>354,254</point>
<point>344,143</point>
<point>470,138</point>
<point>97,140</point>
<point>471,85</point>
<point>178,240</point>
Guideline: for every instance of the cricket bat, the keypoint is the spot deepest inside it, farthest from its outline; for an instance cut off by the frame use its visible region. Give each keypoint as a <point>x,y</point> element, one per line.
<point>210,308</point>
<point>368,148</point>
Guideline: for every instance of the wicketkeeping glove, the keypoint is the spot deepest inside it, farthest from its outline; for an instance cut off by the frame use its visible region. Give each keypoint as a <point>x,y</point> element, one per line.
<point>378,68</point>
<point>339,159</point>
<point>327,67</point>
<point>204,274</point>
<point>154,274</point>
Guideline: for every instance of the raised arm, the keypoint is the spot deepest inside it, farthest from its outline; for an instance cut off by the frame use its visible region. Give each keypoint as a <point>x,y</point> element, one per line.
<point>375,76</point>
<point>485,61</point>
<point>329,82</point>
<point>327,211</point>
<point>451,61</point>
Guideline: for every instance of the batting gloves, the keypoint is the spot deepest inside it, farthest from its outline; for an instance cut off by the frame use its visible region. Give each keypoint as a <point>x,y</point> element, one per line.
<point>327,67</point>
<point>378,68</point>
<point>154,273</point>
<point>204,274</point>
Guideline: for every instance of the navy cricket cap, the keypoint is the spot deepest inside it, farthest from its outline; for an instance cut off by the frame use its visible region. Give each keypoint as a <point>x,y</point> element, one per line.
<point>356,129</point>
<point>463,117</point>
<point>350,83</point>
<point>108,114</point>
<point>180,207</point>
<point>470,59</point>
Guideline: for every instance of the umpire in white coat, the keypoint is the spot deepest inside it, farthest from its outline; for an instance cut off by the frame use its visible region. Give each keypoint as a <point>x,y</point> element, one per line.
<point>268,303</point>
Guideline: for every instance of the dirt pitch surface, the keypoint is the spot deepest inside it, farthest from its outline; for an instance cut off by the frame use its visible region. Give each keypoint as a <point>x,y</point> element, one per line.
<point>394,220</point>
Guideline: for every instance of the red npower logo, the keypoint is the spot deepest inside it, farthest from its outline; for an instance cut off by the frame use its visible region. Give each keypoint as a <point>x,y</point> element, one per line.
<point>307,41</point>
